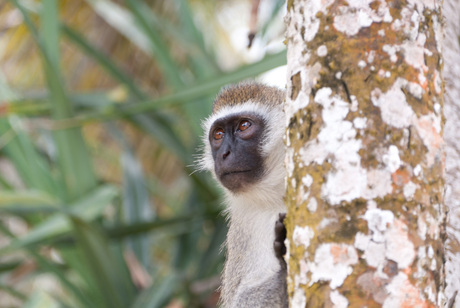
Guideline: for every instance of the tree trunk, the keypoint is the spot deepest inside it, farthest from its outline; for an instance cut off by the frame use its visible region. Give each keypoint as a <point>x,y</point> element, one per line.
<point>451,55</point>
<point>365,154</point>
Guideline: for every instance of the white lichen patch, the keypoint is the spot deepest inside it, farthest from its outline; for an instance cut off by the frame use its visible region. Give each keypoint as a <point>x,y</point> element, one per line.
<point>378,222</point>
<point>399,248</point>
<point>401,293</point>
<point>287,243</point>
<point>393,106</point>
<point>350,21</point>
<point>299,300</point>
<point>289,160</point>
<point>417,170</point>
<point>338,300</point>
<point>302,235</point>
<point>437,83</point>
<point>415,89</point>
<point>362,64</point>
<point>374,254</point>
<point>301,278</point>
<point>321,51</point>
<point>427,226</point>
<point>361,241</point>
<point>389,240</point>
<point>337,142</point>
<point>370,56</point>
<point>422,4</point>
<point>391,51</point>
<point>360,123</point>
<point>409,190</point>
<point>358,15</point>
<point>333,263</point>
<point>326,221</point>
<point>353,181</point>
<point>429,129</point>
<point>414,53</point>
<point>312,205</point>
<point>307,180</point>
<point>391,159</point>
<point>335,132</point>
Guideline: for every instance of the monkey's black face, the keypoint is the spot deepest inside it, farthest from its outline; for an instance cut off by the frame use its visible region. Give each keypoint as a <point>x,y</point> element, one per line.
<point>236,148</point>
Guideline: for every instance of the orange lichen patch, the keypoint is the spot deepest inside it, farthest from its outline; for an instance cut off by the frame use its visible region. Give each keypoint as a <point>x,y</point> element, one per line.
<point>407,271</point>
<point>431,137</point>
<point>340,253</point>
<point>423,82</point>
<point>405,295</point>
<point>412,297</point>
<point>401,177</point>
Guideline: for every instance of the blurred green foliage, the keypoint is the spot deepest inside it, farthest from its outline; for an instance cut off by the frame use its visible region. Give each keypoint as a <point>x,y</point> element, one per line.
<point>139,241</point>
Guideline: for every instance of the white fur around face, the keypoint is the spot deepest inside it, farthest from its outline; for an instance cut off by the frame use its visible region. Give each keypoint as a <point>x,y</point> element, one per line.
<point>271,188</point>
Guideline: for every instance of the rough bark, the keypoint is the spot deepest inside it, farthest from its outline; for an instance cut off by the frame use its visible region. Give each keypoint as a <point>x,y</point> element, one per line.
<point>365,154</point>
<point>451,55</point>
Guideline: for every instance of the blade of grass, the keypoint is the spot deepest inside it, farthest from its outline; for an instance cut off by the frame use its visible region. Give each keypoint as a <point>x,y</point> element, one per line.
<point>47,266</point>
<point>136,207</point>
<point>203,62</point>
<point>88,208</point>
<point>34,170</point>
<point>179,223</point>
<point>103,60</point>
<point>115,285</point>
<point>74,158</point>
<point>26,198</point>
<point>154,125</point>
<point>202,89</point>
<point>157,46</point>
<point>160,293</point>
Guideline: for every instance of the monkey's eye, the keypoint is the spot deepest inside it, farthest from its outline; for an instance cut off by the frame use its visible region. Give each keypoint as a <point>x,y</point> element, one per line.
<point>218,134</point>
<point>244,125</point>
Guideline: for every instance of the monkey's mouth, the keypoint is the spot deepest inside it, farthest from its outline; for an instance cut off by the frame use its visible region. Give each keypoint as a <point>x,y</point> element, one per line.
<point>235,172</point>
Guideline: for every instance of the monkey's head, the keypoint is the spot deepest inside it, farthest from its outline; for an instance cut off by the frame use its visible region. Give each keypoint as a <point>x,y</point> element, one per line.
<point>244,137</point>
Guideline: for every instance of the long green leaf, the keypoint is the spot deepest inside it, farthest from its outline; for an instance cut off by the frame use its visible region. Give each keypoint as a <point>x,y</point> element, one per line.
<point>28,198</point>
<point>74,159</point>
<point>32,166</point>
<point>57,271</point>
<point>200,90</point>
<point>160,293</point>
<point>114,284</point>
<point>88,208</point>
<point>157,47</point>
<point>136,205</point>
<point>104,61</point>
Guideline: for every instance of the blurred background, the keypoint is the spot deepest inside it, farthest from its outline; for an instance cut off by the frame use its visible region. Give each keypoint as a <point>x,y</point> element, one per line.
<point>100,110</point>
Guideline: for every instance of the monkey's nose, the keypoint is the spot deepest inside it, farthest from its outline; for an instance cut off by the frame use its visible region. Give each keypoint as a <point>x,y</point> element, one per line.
<point>226,153</point>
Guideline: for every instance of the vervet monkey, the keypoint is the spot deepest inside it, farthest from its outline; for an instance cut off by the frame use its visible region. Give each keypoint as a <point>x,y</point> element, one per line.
<point>244,151</point>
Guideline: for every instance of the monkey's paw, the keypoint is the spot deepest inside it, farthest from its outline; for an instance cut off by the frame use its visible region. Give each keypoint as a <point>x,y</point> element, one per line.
<point>280,236</point>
